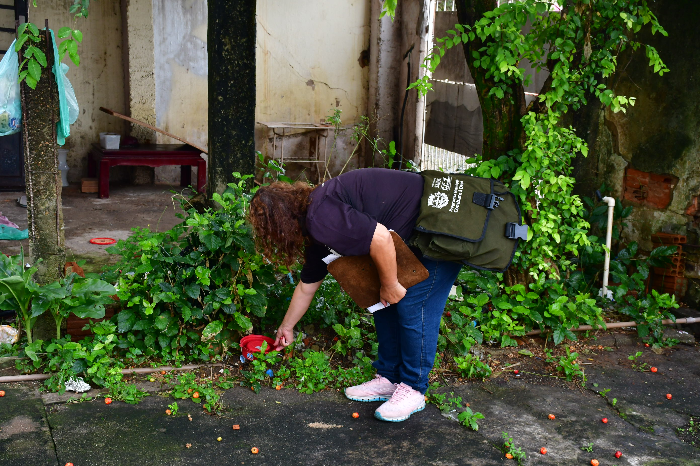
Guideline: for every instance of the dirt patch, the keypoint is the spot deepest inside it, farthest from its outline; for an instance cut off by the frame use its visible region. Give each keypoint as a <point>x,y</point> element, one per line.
<point>18,425</point>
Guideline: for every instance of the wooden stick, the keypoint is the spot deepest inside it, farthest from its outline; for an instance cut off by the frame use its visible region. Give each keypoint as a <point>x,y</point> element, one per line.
<point>153,128</point>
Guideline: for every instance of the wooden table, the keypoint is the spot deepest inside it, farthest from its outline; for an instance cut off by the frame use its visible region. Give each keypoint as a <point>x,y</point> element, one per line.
<point>150,155</point>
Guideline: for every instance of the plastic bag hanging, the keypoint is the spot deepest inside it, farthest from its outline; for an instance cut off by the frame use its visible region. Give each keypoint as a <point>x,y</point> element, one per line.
<point>10,106</point>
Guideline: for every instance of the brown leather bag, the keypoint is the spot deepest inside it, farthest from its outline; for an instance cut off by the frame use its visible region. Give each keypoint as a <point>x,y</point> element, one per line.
<point>358,276</point>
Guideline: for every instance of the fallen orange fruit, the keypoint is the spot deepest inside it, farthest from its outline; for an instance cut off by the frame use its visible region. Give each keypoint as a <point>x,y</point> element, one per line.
<point>108,401</point>
<point>355,415</point>
<point>543,450</point>
<point>654,369</point>
<point>254,450</point>
<point>195,395</point>
<point>594,463</point>
<point>604,420</point>
<point>278,387</point>
<point>236,427</point>
<point>618,454</point>
<point>669,396</point>
<point>2,393</point>
<point>552,417</point>
<point>168,412</point>
<point>69,464</point>
<point>509,456</point>
<point>162,372</point>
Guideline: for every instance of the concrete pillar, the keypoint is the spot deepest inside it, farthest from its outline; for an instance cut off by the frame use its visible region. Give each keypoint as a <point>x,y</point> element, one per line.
<point>415,39</point>
<point>392,44</point>
<point>140,75</point>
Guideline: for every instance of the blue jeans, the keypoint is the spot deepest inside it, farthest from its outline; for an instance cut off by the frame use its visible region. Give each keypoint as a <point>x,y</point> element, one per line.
<point>407,332</point>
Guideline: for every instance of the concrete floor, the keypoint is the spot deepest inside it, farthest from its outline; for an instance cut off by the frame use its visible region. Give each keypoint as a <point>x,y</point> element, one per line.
<point>86,217</point>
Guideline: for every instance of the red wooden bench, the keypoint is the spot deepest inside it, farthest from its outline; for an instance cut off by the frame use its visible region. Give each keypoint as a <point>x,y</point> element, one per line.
<point>150,155</point>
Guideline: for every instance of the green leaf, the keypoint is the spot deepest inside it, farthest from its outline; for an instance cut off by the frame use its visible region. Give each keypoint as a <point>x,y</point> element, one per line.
<point>192,290</point>
<point>74,58</point>
<point>89,311</point>
<point>162,321</point>
<point>34,70</point>
<point>212,329</point>
<point>559,335</point>
<point>63,32</point>
<point>40,57</point>
<point>77,35</point>
<point>33,29</point>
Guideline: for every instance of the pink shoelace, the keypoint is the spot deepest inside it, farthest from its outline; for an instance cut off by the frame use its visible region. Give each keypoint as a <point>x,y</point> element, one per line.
<point>377,378</point>
<point>402,392</point>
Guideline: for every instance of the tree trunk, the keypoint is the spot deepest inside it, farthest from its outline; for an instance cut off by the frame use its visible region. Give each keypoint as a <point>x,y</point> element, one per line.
<point>503,130</point>
<point>231,43</point>
<point>43,181</point>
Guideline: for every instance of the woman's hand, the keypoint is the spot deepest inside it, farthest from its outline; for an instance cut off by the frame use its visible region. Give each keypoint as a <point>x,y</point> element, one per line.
<point>392,294</point>
<point>285,336</point>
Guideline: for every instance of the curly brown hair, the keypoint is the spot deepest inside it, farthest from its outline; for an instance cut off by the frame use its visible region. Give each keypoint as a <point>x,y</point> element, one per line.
<point>277,213</point>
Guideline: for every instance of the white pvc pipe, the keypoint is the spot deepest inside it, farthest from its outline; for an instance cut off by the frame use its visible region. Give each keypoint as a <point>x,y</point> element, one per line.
<point>610,201</point>
<point>140,370</point>
<point>583,328</point>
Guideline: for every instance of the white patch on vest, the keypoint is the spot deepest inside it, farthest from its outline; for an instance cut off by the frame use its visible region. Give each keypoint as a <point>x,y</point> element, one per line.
<point>457,196</point>
<point>438,200</point>
<point>444,183</point>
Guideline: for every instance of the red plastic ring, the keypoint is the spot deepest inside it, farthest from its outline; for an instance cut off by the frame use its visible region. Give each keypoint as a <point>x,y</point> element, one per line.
<point>103,241</point>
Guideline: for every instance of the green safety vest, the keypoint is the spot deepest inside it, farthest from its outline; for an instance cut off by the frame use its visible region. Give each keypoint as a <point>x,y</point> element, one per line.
<point>475,221</point>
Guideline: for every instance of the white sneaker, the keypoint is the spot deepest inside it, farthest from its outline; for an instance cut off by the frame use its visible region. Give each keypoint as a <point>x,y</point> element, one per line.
<point>404,402</point>
<point>377,389</point>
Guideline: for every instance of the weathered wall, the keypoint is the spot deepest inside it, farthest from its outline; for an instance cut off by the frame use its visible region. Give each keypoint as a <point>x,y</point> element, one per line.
<point>180,33</point>
<point>309,63</point>
<point>658,136</point>
<point>98,81</point>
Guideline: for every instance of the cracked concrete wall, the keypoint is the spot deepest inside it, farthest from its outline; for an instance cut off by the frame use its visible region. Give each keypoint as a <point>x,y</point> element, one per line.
<point>659,133</point>
<point>309,61</point>
<point>98,81</point>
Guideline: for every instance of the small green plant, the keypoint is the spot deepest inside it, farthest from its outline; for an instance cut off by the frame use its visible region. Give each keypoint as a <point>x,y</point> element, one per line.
<point>452,405</point>
<point>17,289</point>
<point>604,392</point>
<point>509,447</point>
<point>633,357</point>
<point>348,337</point>
<point>613,402</point>
<point>468,418</point>
<point>471,367</point>
<point>84,297</point>
<point>173,408</point>
<point>203,392</point>
<point>568,365</point>
<point>259,368</point>
<point>313,373</point>
<point>127,392</point>
<point>588,447</point>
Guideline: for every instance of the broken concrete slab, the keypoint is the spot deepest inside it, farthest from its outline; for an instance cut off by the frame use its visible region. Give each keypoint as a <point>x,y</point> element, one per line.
<point>25,437</point>
<point>522,411</point>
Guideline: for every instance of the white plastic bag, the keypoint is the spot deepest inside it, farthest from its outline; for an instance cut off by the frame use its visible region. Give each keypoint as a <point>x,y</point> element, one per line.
<point>71,100</point>
<point>10,107</point>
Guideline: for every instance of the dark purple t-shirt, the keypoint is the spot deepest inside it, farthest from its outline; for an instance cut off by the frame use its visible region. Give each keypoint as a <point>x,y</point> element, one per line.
<point>345,210</point>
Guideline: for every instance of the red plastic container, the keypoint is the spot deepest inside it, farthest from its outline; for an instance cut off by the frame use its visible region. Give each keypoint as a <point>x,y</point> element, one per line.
<point>251,344</point>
